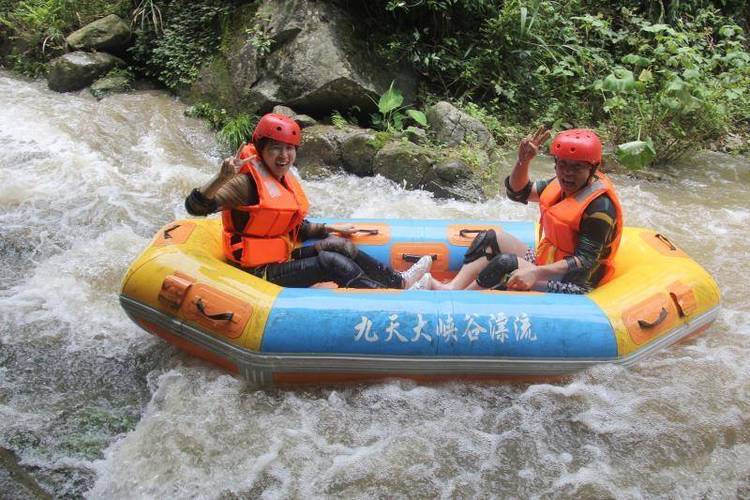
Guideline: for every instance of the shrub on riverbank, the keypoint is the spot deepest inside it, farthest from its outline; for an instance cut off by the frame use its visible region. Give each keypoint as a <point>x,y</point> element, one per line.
<point>34,31</point>
<point>676,73</point>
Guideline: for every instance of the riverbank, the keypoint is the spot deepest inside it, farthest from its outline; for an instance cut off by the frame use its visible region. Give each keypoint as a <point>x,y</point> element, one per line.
<point>656,83</point>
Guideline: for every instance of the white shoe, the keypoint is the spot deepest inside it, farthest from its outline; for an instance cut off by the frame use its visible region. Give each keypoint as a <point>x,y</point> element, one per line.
<point>423,283</point>
<point>411,275</point>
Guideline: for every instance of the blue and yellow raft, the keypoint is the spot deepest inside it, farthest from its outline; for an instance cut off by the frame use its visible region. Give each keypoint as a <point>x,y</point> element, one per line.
<point>181,289</point>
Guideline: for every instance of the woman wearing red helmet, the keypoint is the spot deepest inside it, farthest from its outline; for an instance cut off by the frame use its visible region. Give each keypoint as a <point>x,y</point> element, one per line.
<point>580,225</point>
<point>263,210</point>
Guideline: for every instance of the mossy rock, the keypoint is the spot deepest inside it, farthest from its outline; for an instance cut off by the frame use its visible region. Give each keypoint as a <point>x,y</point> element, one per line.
<point>320,150</point>
<point>76,70</point>
<point>110,85</point>
<point>110,34</point>
<point>404,162</point>
<point>358,152</point>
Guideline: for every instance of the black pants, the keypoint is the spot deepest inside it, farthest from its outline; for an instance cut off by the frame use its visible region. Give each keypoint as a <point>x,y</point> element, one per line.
<point>310,266</point>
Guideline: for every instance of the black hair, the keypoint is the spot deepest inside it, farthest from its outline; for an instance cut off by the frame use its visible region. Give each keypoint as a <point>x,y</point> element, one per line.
<point>261,143</point>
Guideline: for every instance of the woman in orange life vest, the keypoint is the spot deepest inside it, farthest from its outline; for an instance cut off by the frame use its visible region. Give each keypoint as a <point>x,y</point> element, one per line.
<point>263,210</point>
<point>580,223</point>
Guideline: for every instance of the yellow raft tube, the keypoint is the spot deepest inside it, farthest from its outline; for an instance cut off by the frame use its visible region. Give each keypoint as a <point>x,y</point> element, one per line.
<point>181,289</point>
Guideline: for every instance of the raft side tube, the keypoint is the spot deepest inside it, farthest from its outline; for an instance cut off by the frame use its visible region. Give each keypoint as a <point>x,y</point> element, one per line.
<point>260,368</point>
<point>438,323</point>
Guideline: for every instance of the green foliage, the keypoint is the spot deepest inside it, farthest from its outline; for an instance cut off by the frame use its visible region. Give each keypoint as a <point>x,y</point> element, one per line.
<point>26,66</point>
<point>338,120</point>
<point>147,13</point>
<point>418,116</point>
<point>121,72</point>
<point>232,132</point>
<point>260,38</point>
<point>690,89</point>
<point>503,133</point>
<point>676,72</point>
<point>237,131</point>
<point>392,115</point>
<point>217,118</point>
<point>188,36</point>
<point>37,28</point>
<point>381,139</point>
<point>636,155</point>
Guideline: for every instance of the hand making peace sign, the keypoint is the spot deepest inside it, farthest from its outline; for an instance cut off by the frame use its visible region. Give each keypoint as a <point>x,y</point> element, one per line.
<point>530,145</point>
<point>232,165</point>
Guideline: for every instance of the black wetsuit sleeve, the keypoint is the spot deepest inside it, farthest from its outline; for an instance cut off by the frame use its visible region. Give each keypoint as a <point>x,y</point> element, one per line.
<point>197,204</point>
<point>310,230</point>
<point>596,232</point>
<point>522,196</point>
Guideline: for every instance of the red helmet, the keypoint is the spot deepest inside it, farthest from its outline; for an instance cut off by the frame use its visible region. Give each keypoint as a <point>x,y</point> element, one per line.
<point>278,127</point>
<point>578,144</point>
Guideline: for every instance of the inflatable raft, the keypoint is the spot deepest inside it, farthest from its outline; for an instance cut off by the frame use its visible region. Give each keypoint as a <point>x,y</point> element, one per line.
<point>181,289</point>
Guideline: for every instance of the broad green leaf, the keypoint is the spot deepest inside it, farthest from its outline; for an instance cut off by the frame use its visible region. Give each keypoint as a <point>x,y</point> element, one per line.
<point>676,86</point>
<point>390,100</point>
<point>635,60</point>
<point>524,13</point>
<point>417,116</point>
<point>727,31</point>
<point>636,155</point>
<point>398,121</point>
<point>656,28</point>
<point>620,80</point>
<point>645,76</point>
<point>672,103</point>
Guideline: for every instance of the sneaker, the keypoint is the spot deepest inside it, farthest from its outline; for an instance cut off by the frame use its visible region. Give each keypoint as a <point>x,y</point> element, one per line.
<point>423,283</point>
<point>411,275</point>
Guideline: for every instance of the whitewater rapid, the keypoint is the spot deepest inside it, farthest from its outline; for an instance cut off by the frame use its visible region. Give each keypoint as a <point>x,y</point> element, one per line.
<point>92,406</point>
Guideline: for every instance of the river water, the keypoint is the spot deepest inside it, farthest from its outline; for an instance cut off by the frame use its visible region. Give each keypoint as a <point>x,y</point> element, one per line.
<point>92,406</point>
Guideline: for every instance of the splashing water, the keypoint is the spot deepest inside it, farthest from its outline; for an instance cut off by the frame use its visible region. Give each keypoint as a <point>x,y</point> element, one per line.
<point>92,406</point>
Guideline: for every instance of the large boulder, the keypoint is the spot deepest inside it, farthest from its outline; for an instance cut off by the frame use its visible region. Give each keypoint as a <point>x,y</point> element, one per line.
<point>452,126</point>
<point>303,120</point>
<point>320,151</point>
<point>417,167</point>
<point>358,152</point>
<point>110,34</point>
<point>404,162</point>
<point>76,70</point>
<point>314,64</point>
<point>454,179</point>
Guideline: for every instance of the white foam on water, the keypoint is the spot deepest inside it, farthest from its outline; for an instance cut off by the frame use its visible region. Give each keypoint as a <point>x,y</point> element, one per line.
<point>77,290</point>
<point>84,184</point>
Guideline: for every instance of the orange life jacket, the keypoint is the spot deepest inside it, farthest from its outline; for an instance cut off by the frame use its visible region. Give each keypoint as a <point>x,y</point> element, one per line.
<point>270,232</point>
<point>560,222</point>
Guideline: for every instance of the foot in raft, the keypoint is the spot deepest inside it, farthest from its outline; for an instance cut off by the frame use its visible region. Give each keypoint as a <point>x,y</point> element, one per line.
<point>423,283</point>
<point>415,272</point>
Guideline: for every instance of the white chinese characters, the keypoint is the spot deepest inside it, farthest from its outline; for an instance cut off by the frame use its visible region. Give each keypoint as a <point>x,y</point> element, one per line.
<point>495,327</point>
